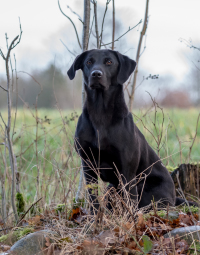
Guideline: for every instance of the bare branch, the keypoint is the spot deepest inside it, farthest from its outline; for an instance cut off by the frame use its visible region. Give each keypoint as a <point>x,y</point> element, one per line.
<point>9,50</point>
<point>194,138</point>
<point>12,157</point>
<point>179,141</point>
<point>196,66</point>
<point>96,23</point>
<point>142,33</point>
<point>113,28</point>
<point>4,88</point>
<point>91,29</point>
<point>16,103</point>
<point>1,53</point>
<point>32,78</point>
<point>95,37</point>
<point>3,119</point>
<point>79,17</point>
<point>102,25</point>
<point>20,35</point>
<point>125,33</point>
<point>72,24</point>
<point>24,214</point>
<point>189,44</point>
<point>68,48</point>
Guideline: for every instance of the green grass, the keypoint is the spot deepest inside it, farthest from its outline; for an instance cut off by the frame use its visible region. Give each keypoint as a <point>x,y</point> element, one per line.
<point>47,149</point>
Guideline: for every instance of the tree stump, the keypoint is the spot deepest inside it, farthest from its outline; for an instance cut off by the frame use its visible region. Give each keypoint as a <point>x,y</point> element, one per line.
<point>186,178</point>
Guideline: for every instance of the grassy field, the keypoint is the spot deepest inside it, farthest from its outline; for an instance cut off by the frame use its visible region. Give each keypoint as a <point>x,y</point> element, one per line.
<point>49,166</point>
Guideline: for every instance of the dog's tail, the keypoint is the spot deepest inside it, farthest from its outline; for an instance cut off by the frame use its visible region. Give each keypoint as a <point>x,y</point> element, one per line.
<point>182,201</point>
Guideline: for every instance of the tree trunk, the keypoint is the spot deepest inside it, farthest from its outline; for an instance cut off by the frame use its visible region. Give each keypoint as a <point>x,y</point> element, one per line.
<point>142,33</point>
<point>85,42</point>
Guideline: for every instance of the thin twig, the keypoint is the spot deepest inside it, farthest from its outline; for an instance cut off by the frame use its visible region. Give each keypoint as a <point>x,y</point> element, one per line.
<point>113,27</point>
<point>20,35</point>
<point>27,211</point>
<point>1,53</point>
<point>79,17</point>
<point>189,44</point>
<point>193,138</point>
<point>3,88</point>
<point>16,78</point>
<point>124,33</point>
<point>91,29</point>
<point>72,24</point>
<point>102,25</point>
<point>142,33</point>
<point>96,23</point>
<point>179,141</point>
<point>68,48</point>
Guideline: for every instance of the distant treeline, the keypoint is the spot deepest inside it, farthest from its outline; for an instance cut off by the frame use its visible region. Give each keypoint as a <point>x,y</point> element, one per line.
<point>52,86</point>
<point>44,87</point>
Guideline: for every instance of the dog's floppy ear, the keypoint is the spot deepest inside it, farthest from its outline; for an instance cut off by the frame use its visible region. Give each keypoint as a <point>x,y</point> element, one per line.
<point>76,65</point>
<point>126,67</point>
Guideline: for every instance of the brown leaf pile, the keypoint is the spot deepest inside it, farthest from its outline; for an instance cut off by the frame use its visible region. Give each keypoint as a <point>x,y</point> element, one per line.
<point>84,234</point>
<point>127,237</point>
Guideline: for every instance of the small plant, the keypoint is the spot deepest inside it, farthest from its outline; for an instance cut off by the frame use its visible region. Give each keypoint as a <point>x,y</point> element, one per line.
<point>60,208</point>
<point>79,203</point>
<point>3,238</point>
<point>192,209</point>
<point>170,168</point>
<point>21,232</point>
<point>20,203</point>
<point>148,245</point>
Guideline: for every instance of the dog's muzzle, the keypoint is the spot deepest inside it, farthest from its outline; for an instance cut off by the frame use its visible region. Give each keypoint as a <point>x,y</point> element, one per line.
<point>95,79</point>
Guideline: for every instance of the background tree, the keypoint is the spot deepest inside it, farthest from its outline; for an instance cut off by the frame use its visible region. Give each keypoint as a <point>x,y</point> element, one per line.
<point>138,55</point>
<point>8,139</point>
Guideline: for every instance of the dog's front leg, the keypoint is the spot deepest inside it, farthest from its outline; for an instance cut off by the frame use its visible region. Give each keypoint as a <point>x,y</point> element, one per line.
<point>92,187</point>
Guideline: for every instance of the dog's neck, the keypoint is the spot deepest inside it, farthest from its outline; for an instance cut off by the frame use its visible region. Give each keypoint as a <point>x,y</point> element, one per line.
<point>105,106</point>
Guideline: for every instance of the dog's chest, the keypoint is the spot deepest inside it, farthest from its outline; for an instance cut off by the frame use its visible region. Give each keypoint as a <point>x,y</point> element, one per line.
<point>103,138</point>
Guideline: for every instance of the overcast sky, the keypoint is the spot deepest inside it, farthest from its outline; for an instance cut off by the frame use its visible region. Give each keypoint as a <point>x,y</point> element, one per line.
<point>43,26</point>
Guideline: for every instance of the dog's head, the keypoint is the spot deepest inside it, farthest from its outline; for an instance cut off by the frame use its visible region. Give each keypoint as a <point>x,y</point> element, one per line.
<point>101,68</point>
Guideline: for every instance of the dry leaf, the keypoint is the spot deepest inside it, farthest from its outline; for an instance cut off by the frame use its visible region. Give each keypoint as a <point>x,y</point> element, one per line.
<point>107,237</point>
<point>141,221</point>
<point>132,245</point>
<point>4,247</point>
<point>35,220</point>
<point>128,225</point>
<point>91,247</point>
<point>165,227</point>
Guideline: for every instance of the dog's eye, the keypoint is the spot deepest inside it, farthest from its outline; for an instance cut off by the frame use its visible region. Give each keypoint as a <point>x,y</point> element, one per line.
<point>89,62</point>
<point>108,62</point>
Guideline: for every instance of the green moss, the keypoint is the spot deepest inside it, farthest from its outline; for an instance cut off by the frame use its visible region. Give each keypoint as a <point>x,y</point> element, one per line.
<point>187,209</point>
<point>21,232</point>
<point>160,213</point>
<point>14,236</point>
<point>20,203</point>
<point>195,247</point>
<point>171,168</point>
<point>3,238</point>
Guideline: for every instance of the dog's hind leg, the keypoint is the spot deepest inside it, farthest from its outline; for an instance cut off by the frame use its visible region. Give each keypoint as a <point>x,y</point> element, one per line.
<point>182,201</point>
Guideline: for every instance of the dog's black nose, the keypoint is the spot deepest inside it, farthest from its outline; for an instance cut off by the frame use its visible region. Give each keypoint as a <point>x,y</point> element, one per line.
<point>97,74</point>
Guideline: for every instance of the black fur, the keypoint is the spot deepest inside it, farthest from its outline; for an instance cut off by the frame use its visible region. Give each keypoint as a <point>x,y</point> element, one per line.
<point>106,124</point>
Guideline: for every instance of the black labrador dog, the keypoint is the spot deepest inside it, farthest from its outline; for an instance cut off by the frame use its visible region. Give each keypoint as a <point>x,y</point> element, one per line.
<point>106,137</point>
